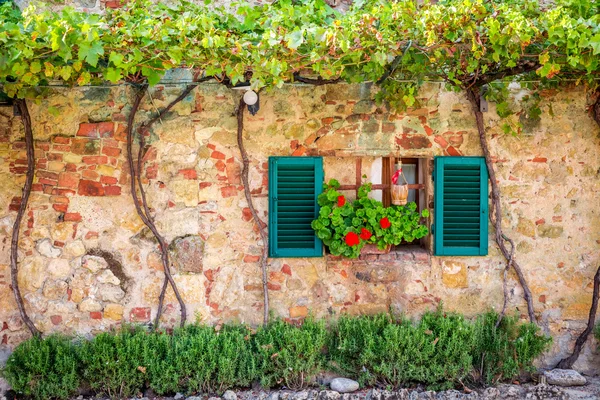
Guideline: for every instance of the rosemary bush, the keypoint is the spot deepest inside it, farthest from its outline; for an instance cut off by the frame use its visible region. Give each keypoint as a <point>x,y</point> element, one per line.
<point>441,350</point>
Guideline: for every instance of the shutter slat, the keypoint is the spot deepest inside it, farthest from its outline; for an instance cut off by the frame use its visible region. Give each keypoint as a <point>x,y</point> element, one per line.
<point>294,184</point>
<point>460,206</point>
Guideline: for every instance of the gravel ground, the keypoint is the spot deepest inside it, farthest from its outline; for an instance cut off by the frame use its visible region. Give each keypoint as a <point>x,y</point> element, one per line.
<point>526,391</point>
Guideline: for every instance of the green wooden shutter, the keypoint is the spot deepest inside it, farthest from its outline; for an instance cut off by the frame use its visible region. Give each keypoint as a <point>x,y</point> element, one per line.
<point>294,184</point>
<point>460,206</point>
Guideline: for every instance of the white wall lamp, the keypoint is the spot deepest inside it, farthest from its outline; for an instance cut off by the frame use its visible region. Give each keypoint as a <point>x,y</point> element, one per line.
<point>252,101</point>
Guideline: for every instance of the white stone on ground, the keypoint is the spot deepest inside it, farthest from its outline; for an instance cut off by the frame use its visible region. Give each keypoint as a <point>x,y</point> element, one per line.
<point>344,385</point>
<point>229,395</point>
<point>564,377</point>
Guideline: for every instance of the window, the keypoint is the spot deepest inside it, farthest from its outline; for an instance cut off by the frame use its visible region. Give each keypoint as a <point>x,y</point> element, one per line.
<point>414,170</point>
<point>460,206</point>
<point>294,185</point>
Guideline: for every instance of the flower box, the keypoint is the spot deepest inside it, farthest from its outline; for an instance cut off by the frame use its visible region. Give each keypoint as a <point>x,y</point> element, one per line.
<point>353,228</point>
<point>373,249</point>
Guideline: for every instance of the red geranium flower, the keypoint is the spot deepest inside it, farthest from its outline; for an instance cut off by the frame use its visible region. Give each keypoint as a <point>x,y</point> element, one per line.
<point>352,239</point>
<point>341,201</point>
<point>384,223</point>
<point>365,234</point>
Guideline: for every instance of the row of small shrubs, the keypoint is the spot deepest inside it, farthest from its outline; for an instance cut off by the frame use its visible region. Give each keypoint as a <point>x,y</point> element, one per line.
<point>442,350</point>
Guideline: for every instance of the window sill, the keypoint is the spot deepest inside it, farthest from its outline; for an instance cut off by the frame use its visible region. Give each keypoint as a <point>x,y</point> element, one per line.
<point>405,253</point>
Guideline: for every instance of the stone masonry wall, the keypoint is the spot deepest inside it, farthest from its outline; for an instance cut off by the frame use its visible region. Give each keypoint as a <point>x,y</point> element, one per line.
<point>87,262</point>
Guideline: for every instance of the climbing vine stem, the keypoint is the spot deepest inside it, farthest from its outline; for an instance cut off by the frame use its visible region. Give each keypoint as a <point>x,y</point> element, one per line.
<point>14,243</point>
<point>567,363</point>
<point>143,210</point>
<point>255,217</point>
<point>474,98</point>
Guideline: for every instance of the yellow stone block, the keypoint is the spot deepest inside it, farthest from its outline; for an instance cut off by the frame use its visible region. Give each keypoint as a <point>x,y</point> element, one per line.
<point>114,312</point>
<point>454,274</point>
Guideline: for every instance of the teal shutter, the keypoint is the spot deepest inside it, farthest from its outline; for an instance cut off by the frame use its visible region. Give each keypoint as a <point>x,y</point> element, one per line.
<point>294,184</point>
<point>460,206</point>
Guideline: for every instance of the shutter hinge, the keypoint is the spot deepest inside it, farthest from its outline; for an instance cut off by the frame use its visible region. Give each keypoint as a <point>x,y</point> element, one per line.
<point>433,229</point>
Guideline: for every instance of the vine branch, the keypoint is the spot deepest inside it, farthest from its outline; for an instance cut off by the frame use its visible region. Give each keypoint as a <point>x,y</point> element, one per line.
<point>317,82</point>
<point>473,97</point>
<point>246,183</point>
<point>14,243</point>
<point>567,363</point>
<point>144,213</point>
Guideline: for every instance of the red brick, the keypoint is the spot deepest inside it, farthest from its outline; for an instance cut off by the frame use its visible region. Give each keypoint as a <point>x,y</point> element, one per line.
<point>60,207</point>
<point>205,185</point>
<point>59,244</point>
<point>96,315</point>
<point>140,314</point>
<point>95,160</point>
<point>273,286</point>
<point>250,258</point>
<point>106,129</point>
<point>108,180</point>
<point>188,173</point>
<point>89,174</point>
<point>55,156</point>
<point>111,151</point>
<point>413,141</point>
<point>557,218</point>
<point>299,151</point>
<point>428,130</point>
<point>451,150</point>
<point>56,319</point>
<point>114,3</point>
<point>88,130</point>
<point>42,146</point>
<point>220,166</point>
<point>68,180</point>
<point>45,181</point>
<point>112,190</point>
<point>61,147</point>
<point>246,214</point>
<point>47,175</point>
<point>217,155</point>
<point>441,141</point>
<point>228,191</point>
<point>90,188</point>
<point>286,269</point>
<point>72,217</point>
<point>539,159</point>
<point>91,235</point>
<point>540,221</point>
<point>61,140</point>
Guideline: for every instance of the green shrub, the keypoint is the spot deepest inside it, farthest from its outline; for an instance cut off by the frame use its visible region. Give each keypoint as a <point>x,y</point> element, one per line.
<point>503,353</point>
<point>290,355</point>
<point>198,358</point>
<point>442,350</point>
<point>113,362</point>
<point>379,350</point>
<point>44,369</point>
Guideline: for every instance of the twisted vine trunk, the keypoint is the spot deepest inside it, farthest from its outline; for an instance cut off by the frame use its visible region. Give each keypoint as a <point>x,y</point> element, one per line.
<point>14,243</point>
<point>567,363</point>
<point>144,211</point>
<point>246,183</point>
<point>473,97</point>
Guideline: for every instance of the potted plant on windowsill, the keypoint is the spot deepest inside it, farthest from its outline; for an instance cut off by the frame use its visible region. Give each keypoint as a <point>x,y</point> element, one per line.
<point>347,227</point>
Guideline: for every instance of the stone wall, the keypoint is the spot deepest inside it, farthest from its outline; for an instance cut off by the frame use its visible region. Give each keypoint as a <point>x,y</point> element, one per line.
<point>87,262</point>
